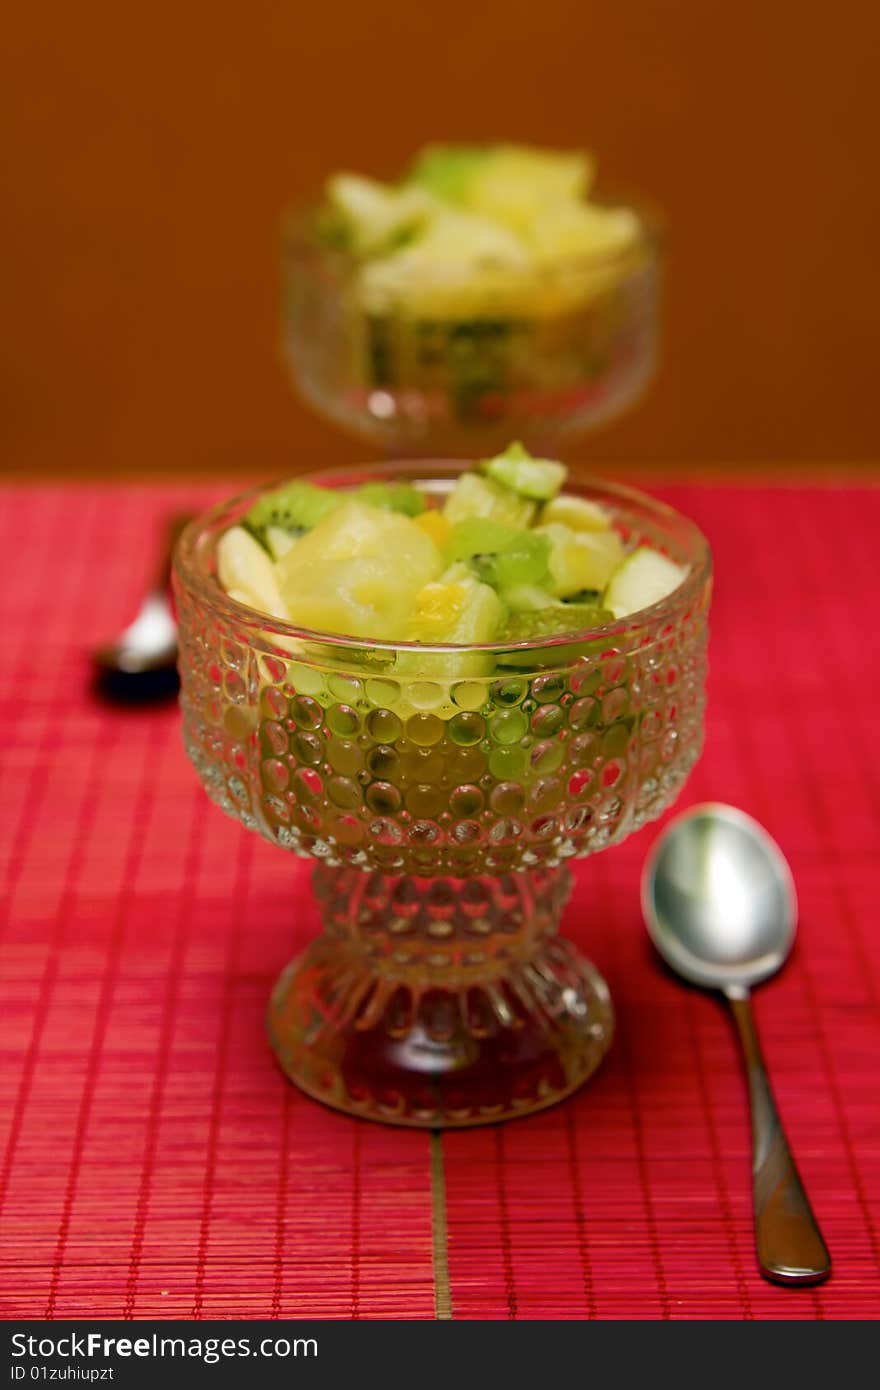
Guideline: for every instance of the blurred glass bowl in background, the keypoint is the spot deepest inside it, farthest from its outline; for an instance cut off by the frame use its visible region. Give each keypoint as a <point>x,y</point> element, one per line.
<point>448,362</point>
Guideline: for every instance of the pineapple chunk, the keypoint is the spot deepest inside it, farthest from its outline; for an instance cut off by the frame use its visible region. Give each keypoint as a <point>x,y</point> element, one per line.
<point>474,495</point>
<point>457,262</point>
<point>355,529</point>
<point>358,572</point>
<point>578,229</point>
<point>515,182</point>
<point>437,526</point>
<point>466,236</point>
<point>460,611</point>
<point>245,570</point>
<point>580,560</point>
<point>361,602</point>
<point>582,252</point>
<point>455,609</point>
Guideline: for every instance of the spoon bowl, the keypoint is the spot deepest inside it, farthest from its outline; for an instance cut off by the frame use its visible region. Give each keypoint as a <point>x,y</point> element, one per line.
<point>140,664</point>
<point>149,643</point>
<point>719,899</point>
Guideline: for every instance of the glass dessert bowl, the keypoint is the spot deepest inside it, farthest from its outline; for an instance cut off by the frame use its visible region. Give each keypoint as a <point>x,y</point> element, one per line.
<point>487,295</point>
<point>442,791</point>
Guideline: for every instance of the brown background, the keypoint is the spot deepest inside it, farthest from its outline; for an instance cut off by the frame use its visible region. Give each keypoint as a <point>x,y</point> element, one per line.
<point>149,149</point>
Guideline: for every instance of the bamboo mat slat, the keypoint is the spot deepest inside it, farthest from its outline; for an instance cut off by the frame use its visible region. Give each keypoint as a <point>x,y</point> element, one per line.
<point>153,1162</point>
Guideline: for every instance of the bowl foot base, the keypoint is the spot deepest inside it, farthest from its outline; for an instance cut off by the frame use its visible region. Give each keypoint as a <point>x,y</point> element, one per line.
<point>440,1053</point>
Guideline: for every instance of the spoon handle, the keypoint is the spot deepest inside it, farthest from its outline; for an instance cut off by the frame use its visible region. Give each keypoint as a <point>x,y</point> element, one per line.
<point>789,1243</point>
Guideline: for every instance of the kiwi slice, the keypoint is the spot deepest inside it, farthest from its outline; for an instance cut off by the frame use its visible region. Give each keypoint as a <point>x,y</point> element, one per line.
<point>393,497</point>
<point>446,170</point>
<point>295,507</point>
<point>547,622</point>
<point>500,555</point>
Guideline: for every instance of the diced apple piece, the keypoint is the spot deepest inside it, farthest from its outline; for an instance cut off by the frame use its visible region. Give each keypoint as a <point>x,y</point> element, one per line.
<point>456,571</point>
<point>577,513</point>
<point>244,567</point>
<point>279,541</point>
<point>377,215</point>
<point>642,579</point>
<point>529,598</point>
<point>474,495</point>
<point>538,479</point>
<point>580,560</point>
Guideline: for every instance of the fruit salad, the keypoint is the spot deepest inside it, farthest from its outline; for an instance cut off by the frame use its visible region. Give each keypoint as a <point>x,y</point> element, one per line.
<point>504,557</point>
<point>474,229</point>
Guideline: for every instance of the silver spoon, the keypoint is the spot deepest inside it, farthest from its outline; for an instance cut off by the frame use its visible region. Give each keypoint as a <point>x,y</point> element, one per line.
<point>141,662</point>
<point>720,906</point>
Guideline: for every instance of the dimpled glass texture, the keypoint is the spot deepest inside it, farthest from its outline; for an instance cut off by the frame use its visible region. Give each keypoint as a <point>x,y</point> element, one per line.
<point>537,355</point>
<point>442,794</point>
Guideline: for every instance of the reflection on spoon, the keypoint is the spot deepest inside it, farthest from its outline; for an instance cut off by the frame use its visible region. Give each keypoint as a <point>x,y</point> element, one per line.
<point>140,665</point>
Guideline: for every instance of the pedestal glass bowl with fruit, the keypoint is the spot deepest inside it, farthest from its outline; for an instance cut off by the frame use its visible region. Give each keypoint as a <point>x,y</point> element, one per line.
<point>485,296</point>
<point>442,686</point>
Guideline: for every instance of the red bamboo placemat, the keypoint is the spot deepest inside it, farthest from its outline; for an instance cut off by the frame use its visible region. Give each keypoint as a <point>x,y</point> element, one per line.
<point>154,1163</point>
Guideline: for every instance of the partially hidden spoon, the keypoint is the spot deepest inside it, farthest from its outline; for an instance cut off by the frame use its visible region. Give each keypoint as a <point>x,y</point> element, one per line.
<point>720,906</point>
<point>140,664</point>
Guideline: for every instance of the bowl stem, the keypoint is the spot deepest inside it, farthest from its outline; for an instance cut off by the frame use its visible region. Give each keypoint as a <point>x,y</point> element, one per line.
<point>440,1002</point>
